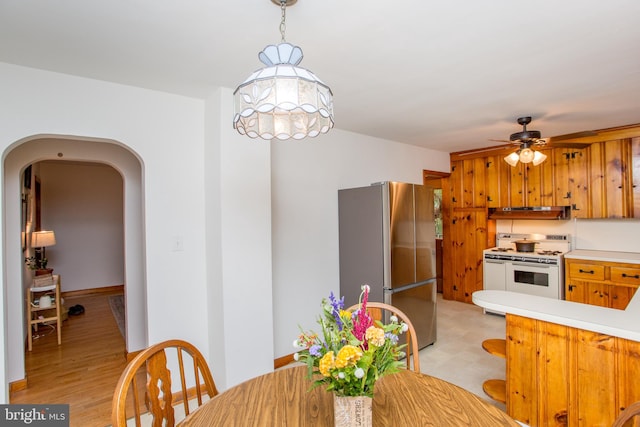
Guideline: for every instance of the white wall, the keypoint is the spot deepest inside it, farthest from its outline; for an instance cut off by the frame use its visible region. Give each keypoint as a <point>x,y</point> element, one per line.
<point>83,204</point>
<point>239,253</point>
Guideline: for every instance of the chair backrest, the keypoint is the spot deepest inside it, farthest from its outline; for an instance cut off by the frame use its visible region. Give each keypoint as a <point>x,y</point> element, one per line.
<point>626,415</point>
<point>375,310</point>
<point>147,381</point>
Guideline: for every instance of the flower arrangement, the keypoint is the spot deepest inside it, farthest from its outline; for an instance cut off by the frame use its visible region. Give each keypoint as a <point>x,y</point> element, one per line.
<point>352,351</point>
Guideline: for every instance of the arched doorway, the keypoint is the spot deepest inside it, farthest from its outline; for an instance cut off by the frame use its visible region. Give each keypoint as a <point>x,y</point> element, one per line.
<point>53,147</point>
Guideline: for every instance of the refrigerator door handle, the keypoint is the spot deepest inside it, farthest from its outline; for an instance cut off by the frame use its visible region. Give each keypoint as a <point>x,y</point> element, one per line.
<point>407,287</point>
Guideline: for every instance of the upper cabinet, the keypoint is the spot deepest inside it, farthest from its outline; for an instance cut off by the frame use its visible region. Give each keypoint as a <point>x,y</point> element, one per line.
<point>635,175</point>
<point>571,178</point>
<point>599,178</point>
<point>614,173</point>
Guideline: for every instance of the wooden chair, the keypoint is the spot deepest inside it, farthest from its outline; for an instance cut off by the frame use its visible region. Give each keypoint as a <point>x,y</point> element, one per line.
<point>36,315</point>
<point>375,310</point>
<point>148,379</point>
<point>626,416</point>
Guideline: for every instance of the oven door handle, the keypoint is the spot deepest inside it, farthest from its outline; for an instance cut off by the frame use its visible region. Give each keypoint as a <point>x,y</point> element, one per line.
<point>533,264</point>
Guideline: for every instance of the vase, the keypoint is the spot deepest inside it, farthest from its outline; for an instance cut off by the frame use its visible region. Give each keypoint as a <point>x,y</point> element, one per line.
<point>352,411</point>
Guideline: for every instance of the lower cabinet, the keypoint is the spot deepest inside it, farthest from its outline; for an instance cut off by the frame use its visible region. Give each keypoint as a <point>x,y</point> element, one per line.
<point>563,376</point>
<point>602,283</point>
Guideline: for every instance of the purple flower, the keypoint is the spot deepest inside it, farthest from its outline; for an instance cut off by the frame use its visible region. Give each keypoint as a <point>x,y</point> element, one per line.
<point>336,305</point>
<point>314,350</point>
<point>391,337</point>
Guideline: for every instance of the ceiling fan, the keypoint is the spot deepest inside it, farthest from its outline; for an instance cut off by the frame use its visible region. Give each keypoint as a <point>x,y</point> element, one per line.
<point>527,139</point>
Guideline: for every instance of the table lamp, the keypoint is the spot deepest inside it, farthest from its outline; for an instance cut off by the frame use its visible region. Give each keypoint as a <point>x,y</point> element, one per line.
<point>40,240</point>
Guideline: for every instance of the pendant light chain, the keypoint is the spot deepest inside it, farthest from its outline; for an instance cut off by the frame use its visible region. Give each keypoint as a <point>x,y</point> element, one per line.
<point>283,25</point>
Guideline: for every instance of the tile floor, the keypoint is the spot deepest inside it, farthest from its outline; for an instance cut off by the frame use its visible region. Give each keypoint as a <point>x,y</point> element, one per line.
<point>457,355</point>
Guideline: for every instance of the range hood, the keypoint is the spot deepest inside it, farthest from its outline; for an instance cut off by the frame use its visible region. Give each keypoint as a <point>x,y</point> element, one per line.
<point>531,212</point>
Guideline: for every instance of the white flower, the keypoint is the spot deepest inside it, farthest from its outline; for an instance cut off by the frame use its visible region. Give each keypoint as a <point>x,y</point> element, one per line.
<point>296,356</point>
<point>366,288</point>
<point>296,344</point>
<point>405,327</point>
<point>359,373</point>
<point>341,375</point>
<point>393,319</point>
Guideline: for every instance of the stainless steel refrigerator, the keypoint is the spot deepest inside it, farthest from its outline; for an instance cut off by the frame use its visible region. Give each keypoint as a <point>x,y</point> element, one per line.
<point>387,240</point>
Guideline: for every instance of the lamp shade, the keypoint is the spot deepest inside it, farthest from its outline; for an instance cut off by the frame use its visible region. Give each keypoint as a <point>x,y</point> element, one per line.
<point>512,158</point>
<point>42,239</point>
<point>282,100</point>
<point>538,158</point>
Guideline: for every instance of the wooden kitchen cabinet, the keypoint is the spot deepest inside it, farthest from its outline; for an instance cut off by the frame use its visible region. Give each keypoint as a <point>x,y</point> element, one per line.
<point>466,236</point>
<point>615,178</point>
<point>635,176</point>
<point>601,283</point>
<point>497,179</point>
<point>571,178</point>
<point>467,183</point>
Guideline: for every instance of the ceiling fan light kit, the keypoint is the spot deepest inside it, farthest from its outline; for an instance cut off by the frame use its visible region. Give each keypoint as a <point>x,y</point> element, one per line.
<point>526,139</point>
<point>282,100</point>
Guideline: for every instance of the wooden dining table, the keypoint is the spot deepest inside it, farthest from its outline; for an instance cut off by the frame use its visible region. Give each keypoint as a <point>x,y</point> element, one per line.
<point>407,398</point>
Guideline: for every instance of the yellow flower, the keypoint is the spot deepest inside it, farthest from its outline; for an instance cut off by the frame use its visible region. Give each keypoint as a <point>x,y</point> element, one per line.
<point>326,364</point>
<point>348,356</point>
<point>345,315</point>
<point>375,336</point>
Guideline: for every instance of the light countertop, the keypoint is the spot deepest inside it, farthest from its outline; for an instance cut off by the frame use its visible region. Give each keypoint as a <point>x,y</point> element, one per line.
<point>611,256</point>
<point>619,323</point>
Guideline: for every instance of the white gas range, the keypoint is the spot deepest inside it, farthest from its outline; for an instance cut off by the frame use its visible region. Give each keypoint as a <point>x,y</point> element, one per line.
<point>540,272</point>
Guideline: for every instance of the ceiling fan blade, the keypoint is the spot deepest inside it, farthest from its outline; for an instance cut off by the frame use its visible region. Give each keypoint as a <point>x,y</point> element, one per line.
<point>502,140</point>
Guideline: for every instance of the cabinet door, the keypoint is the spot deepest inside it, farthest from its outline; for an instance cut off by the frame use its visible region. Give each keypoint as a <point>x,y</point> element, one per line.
<point>635,176</point>
<point>539,182</point>
<point>497,181</point>
<point>455,185</point>
<point>619,296</point>
<point>473,183</point>
<point>598,197</point>
<point>614,161</point>
<point>562,193</point>
<point>517,185</point>
<point>468,231</point>
<point>571,177</point>
<point>576,291</point>
<point>597,294</point>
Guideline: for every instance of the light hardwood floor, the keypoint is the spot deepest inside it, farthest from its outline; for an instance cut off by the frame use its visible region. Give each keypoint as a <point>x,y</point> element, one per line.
<point>84,370</point>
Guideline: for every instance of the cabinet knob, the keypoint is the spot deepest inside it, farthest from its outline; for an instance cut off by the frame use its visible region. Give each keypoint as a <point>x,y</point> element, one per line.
<point>587,271</point>
<point>635,276</point>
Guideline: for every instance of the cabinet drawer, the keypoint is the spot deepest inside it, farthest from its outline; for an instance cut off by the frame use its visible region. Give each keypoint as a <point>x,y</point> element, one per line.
<point>586,271</point>
<point>629,276</point>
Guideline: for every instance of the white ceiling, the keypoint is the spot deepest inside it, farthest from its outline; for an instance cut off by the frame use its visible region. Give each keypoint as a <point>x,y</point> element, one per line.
<point>447,75</point>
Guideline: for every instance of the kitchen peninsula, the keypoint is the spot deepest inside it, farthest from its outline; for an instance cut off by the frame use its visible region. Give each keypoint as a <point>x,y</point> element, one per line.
<point>568,363</point>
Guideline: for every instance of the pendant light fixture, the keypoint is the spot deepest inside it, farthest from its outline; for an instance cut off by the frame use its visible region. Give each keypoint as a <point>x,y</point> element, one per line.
<point>282,100</point>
